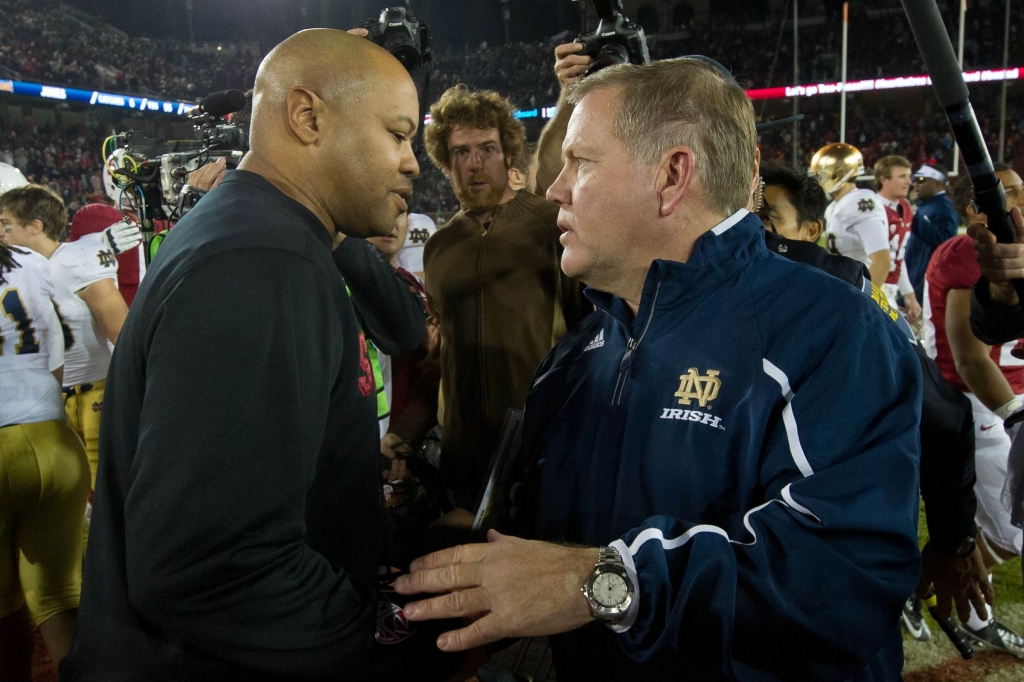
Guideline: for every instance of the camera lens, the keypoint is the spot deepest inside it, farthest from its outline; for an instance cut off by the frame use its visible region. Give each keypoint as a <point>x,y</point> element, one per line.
<point>609,54</point>
<point>400,45</point>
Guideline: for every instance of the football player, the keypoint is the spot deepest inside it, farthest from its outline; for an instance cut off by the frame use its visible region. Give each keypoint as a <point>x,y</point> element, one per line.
<point>43,471</point>
<point>892,181</point>
<point>84,275</point>
<point>993,379</point>
<point>410,253</point>
<point>855,221</point>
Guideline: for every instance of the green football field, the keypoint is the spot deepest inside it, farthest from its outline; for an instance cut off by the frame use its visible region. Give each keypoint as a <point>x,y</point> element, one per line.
<point>938,661</point>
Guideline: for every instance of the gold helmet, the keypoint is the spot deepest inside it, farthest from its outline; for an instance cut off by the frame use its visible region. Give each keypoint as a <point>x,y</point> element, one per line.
<point>835,164</point>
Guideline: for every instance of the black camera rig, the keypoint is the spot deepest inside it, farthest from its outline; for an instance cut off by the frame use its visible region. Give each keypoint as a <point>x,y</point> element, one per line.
<point>616,40</point>
<point>150,175</point>
<point>401,34</point>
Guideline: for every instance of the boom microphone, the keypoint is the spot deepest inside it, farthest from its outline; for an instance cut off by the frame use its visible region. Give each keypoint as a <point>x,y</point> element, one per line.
<point>947,79</point>
<point>219,104</point>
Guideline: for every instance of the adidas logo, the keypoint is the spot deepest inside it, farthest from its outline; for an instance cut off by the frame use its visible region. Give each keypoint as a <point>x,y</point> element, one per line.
<point>596,343</point>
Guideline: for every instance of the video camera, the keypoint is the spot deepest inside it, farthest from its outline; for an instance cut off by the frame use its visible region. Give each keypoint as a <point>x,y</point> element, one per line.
<point>151,174</point>
<point>617,40</point>
<point>402,35</point>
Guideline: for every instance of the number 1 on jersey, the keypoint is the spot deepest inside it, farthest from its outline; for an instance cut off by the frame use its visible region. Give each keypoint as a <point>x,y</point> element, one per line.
<point>14,308</point>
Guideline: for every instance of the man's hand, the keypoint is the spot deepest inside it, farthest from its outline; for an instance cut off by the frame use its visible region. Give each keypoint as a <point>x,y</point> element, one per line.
<point>1000,263</point>
<point>912,306</point>
<point>207,177</point>
<point>508,587</point>
<point>570,66</point>
<point>959,580</point>
<point>123,236</point>
<point>391,446</point>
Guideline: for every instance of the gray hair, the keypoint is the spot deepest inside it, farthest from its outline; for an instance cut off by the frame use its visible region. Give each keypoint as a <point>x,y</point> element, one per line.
<point>687,102</point>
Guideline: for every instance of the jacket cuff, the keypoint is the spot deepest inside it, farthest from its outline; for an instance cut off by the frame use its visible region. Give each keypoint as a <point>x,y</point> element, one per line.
<point>634,608</point>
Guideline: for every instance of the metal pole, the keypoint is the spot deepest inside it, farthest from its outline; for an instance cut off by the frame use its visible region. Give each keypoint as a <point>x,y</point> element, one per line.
<point>191,29</point>
<point>1002,99</point>
<point>796,81</point>
<point>505,16</point>
<point>960,60</point>
<point>842,94</point>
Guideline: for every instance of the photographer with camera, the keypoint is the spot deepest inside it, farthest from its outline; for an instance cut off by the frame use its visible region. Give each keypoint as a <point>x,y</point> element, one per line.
<point>616,40</point>
<point>237,525</point>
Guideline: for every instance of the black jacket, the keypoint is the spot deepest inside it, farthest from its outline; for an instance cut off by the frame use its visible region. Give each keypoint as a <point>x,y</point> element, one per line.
<point>237,514</point>
<point>391,313</point>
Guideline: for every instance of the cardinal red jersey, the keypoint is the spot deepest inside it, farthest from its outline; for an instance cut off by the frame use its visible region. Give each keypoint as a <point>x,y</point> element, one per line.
<point>900,219</point>
<point>93,218</point>
<point>953,267</point>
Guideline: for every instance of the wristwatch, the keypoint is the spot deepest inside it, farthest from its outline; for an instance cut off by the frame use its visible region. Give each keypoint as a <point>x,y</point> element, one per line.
<point>608,590</point>
<point>966,547</point>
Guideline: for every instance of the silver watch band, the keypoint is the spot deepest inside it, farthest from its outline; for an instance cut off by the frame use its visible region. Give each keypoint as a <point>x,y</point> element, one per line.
<point>609,555</point>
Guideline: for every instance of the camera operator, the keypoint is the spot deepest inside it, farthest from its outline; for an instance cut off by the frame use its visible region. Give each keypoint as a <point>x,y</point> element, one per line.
<point>237,523</point>
<point>734,441</point>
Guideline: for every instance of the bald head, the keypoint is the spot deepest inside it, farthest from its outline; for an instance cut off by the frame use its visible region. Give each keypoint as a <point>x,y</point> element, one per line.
<point>334,116</point>
<point>340,68</point>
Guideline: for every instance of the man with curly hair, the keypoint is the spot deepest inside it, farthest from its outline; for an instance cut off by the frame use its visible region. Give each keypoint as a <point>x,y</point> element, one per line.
<point>494,284</point>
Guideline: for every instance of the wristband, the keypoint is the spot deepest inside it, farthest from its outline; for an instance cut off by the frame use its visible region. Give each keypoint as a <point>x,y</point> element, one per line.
<point>1009,408</point>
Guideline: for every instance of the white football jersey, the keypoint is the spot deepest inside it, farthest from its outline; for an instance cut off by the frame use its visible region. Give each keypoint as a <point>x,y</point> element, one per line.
<point>31,344</point>
<point>73,267</point>
<point>856,225</point>
<point>410,256</point>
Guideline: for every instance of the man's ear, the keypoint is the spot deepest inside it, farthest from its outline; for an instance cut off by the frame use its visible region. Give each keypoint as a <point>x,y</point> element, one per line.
<point>35,227</point>
<point>674,179</point>
<point>813,229</point>
<point>304,109</point>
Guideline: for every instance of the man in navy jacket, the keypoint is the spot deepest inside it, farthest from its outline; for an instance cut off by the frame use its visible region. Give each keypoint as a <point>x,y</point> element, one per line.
<point>746,461</point>
<point>935,222</point>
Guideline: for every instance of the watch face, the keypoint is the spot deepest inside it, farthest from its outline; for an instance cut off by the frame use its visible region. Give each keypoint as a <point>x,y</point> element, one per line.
<point>610,589</point>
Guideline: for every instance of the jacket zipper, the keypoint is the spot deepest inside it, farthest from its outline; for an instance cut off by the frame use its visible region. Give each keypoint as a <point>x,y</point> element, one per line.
<point>482,372</point>
<point>631,346</point>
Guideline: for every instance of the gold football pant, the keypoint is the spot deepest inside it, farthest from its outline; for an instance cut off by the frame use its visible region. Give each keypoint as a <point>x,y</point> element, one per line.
<point>83,404</point>
<point>44,479</point>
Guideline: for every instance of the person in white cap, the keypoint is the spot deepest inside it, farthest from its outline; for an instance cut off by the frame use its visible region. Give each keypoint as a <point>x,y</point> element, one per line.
<point>935,221</point>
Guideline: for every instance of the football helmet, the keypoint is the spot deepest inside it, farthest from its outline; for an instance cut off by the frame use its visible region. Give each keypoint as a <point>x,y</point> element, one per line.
<point>835,164</point>
<point>10,177</point>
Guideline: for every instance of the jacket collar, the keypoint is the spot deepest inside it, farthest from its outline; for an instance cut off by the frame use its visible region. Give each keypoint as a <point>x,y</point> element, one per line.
<point>671,285</point>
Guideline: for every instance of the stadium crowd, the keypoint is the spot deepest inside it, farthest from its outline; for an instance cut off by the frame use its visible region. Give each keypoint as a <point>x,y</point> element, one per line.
<point>65,159</point>
<point>44,42</point>
<point>409,350</point>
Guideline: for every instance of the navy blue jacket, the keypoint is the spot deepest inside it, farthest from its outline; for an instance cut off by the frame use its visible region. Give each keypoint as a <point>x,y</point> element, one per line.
<point>935,221</point>
<point>749,442</point>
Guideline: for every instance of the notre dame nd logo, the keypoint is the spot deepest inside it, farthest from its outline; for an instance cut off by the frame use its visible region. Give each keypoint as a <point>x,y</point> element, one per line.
<point>703,389</point>
<point>107,259</point>
<point>866,205</point>
<point>418,236</point>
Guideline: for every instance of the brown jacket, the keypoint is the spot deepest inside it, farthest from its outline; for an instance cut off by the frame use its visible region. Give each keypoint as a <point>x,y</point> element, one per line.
<point>502,302</point>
